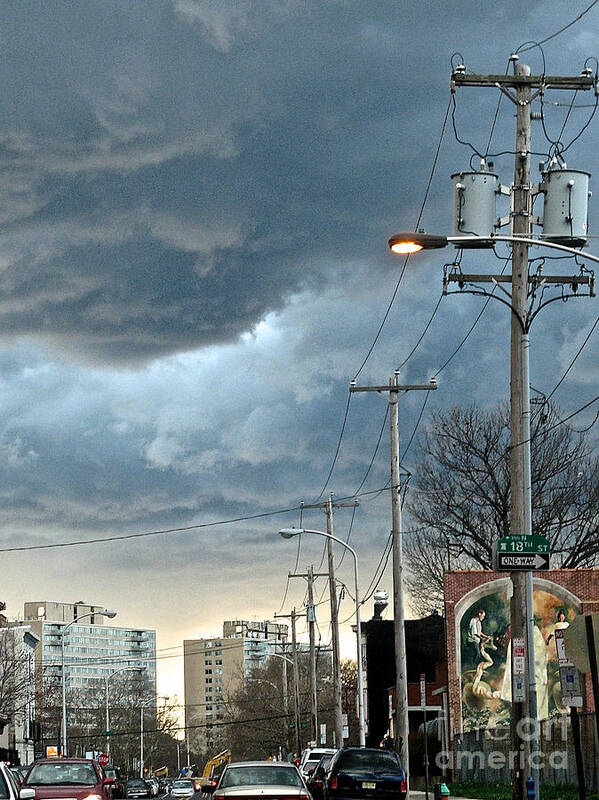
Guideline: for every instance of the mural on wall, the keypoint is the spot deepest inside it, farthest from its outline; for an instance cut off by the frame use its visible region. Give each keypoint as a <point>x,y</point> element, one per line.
<point>485,648</point>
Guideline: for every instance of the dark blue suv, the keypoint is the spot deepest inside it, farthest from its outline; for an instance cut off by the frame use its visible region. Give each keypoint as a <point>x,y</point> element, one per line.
<point>361,773</point>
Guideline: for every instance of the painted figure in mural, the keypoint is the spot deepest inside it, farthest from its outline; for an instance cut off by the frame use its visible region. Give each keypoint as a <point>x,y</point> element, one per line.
<point>560,625</point>
<point>476,637</point>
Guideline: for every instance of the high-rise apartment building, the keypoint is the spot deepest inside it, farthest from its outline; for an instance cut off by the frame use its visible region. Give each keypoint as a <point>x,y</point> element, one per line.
<point>93,650</point>
<point>215,667</point>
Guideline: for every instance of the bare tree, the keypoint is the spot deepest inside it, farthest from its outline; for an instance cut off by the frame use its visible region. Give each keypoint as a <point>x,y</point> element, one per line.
<point>460,502</point>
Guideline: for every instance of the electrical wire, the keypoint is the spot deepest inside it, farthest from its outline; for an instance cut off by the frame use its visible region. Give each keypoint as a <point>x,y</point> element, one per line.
<point>472,327</point>
<point>561,30</point>
<point>573,361</point>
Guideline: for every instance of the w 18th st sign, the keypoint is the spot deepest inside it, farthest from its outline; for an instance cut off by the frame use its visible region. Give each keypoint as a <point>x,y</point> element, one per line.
<point>520,551</point>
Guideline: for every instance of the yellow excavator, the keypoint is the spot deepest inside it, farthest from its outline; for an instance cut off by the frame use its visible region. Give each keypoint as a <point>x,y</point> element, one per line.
<point>213,768</point>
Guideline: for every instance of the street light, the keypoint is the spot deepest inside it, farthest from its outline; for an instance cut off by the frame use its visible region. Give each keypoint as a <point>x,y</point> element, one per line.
<point>106,677</point>
<point>288,533</point>
<point>413,241</point>
<point>103,613</point>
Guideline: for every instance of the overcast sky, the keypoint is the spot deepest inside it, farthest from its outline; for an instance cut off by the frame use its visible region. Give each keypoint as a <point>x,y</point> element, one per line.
<point>195,202</point>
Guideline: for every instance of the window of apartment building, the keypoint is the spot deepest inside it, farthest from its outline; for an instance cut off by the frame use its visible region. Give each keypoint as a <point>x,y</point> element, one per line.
<point>219,680</point>
<point>207,672</point>
<point>218,661</point>
<point>218,671</point>
<point>208,644</point>
<point>208,662</point>
<point>208,680</point>
<point>208,708</point>
<point>218,652</point>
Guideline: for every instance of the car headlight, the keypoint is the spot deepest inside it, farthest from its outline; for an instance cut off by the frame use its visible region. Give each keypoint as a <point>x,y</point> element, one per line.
<point>93,797</point>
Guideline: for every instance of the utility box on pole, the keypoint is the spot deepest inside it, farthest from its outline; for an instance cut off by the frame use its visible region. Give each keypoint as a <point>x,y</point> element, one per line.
<point>474,206</point>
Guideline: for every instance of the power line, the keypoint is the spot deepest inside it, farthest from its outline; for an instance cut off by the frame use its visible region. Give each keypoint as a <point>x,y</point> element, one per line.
<point>561,30</point>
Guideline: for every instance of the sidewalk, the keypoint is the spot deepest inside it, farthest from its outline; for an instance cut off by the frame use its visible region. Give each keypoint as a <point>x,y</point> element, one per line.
<point>417,795</point>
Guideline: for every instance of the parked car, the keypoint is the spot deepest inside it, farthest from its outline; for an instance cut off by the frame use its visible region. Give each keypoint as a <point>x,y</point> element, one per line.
<point>18,774</point>
<point>137,787</point>
<point>183,787</point>
<point>315,782</point>
<point>310,758</point>
<point>263,780</point>
<point>9,785</point>
<point>168,785</point>
<point>119,787</point>
<point>360,773</point>
<point>48,777</point>
<point>153,784</point>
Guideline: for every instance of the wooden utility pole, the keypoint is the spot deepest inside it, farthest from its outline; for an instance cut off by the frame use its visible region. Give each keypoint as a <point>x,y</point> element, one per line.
<point>296,694</point>
<point>329,507</point>
<point>311,617</point>
<point>401,675</point>
<point>519,89</point>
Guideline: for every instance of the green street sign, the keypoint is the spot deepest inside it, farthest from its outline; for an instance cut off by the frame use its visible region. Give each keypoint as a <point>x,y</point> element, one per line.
<point>303,724</point>
<point>521,543</point>
<point>107,733</point>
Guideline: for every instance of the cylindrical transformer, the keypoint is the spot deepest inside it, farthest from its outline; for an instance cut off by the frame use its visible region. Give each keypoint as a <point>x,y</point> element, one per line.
<point>474,211</point>
<point>565,206</point>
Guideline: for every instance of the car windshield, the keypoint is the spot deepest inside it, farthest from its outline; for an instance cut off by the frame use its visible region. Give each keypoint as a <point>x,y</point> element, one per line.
<point>372,761</point>
<point>182,785</point>
<point>138,782</point>
<point>62,773</point>
<point>110,773</point>
<point>260,776</point>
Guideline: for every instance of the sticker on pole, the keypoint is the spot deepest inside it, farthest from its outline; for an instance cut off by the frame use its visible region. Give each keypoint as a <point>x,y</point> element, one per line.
<point>518,669</point>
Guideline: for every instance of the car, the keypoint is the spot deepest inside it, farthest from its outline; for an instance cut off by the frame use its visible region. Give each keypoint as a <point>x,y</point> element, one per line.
<point>364,773</point>
<point>48,777</point>
<point>263,780</point>
<point>153,784</point>
<point>18,774</point>
<point>310,758</point>
<point>315,782</point>
<point>137,787</point>
<point>9,785</point>
<point>119,788</point>
<point>183,787</point>
<point>168,785</point>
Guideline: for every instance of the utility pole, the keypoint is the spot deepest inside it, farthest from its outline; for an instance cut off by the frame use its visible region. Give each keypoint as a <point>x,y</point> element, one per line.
<point>401,675</point>
<point>329,507</point>
<point>518,88</point>
<point>311,614</point>
<point>311,617</point>
<point>296,696</point>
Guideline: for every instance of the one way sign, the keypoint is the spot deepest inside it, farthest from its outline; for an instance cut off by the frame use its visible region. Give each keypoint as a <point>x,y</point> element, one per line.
<point>526,561</point>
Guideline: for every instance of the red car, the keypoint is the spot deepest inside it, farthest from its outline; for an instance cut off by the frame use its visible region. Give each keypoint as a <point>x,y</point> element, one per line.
<point>72,778</point>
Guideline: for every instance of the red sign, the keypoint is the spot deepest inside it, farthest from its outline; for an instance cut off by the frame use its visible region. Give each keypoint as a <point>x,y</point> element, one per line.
<point>103,759</point>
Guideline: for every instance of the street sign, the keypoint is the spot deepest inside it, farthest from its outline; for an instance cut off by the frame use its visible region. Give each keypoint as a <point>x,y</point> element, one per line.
<point>571,691</point>
<point>422,689</point>
<point>103,759</point>
<point>560,646</point>
<point>51,751</point>
<point>520,551</point>
<point>107,733</point>
<point>523,543</point>
<point>518,669</point>
<point>527,561</point>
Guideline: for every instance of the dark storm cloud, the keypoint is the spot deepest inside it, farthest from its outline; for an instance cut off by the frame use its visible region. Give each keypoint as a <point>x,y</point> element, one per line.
<point>175,171</point>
